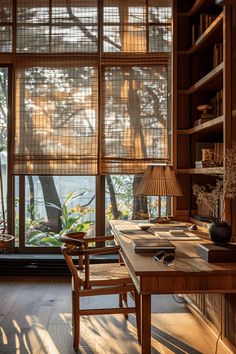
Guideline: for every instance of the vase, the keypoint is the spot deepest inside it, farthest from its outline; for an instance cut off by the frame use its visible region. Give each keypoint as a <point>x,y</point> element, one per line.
<point>220,232</point>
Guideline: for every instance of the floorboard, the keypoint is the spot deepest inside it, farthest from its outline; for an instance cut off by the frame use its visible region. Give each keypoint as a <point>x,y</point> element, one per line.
<point>35,318</point>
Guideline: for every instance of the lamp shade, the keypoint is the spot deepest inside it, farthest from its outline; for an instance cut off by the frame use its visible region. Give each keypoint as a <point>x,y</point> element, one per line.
<point>159,180</point>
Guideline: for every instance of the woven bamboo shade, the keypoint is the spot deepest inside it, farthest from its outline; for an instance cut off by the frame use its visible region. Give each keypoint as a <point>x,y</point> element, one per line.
<point>92,85</point>
<point>159,180</point>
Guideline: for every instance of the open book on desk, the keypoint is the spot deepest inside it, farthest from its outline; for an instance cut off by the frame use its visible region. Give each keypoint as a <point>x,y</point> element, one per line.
<point>175,234</point>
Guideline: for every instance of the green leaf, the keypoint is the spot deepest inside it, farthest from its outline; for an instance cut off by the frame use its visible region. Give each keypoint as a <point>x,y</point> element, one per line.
<point>52,205</point>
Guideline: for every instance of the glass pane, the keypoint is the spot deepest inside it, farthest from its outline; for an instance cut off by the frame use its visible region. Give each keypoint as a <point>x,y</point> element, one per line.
<point>32,39</point>
<point>160,14</point>
<point>160,39</point>
<point>5,10</point>
<point>5,39</point>
<point>128,11</point>
<point>59,136</point>
<point>122,203</point>
<point>126,32</point>
<point>3,144</point>
<point>75,12</point>
<point>31,11</point>
<point>74,39</point>
<point>135,119</point>
<point>57,205</point>
<point>124,39</point>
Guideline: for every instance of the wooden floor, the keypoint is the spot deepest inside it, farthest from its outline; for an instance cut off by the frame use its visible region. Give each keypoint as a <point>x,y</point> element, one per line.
<point>35,318</point>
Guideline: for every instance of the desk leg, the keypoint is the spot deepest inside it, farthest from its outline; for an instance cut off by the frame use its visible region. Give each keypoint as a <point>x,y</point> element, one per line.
<point>146,324</point>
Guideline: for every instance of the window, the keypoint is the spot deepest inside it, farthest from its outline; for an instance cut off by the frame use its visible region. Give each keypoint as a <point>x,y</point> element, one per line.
<point>91,108</point>
<point>53,205</point>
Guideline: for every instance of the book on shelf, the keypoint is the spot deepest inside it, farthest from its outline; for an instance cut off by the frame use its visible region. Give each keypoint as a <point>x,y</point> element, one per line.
<point>193,33</point>
<point>219,103</point>
<point>217,54</point>
<point>201,24</point>
<point>216,102</point>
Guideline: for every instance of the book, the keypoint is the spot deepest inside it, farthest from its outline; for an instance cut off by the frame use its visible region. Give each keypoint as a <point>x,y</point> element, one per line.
<point>217,54</point>
<point>174,235</point>
<point>152,245</point>
<point>202,164</point>
<point>203,120</point>
<point>212,253</point>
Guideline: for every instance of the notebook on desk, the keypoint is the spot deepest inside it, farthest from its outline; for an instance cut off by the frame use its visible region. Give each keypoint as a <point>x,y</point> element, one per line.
<point>152,246</point>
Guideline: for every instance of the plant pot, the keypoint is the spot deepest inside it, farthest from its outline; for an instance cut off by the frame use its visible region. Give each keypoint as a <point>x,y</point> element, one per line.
<point>220,232</point>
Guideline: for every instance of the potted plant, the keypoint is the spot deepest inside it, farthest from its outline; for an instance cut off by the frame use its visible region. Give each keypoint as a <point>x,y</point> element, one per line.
<point>214,197</point>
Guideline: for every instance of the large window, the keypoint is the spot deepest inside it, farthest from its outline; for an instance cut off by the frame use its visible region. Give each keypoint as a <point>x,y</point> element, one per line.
<point>90,109</point>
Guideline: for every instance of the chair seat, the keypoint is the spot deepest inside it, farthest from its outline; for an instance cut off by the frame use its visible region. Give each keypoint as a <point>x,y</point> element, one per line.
<point>111,273</point>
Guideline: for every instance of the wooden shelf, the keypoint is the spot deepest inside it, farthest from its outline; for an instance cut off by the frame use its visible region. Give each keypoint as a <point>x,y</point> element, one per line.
<point>211,126</point>
<point>211,82</point>
<point>201,171</point>
<point>197,6</point>
<point>208,35</point>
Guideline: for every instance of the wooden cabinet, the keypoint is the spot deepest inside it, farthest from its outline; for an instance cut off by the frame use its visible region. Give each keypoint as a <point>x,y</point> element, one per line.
<point>204,73</point>
<point>199,112</point>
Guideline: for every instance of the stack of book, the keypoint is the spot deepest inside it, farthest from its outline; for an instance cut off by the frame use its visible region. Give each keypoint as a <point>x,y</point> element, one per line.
<point>209,155</point>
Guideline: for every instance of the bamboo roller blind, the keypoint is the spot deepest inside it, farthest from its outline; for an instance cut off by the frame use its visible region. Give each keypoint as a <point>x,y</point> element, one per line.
<point>94,98</point>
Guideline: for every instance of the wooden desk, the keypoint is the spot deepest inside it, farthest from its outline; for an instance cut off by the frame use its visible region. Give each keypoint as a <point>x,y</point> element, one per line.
<point>188,274</point>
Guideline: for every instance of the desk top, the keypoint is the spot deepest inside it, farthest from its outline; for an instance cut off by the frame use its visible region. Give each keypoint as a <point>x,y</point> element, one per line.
<point>189,271</point>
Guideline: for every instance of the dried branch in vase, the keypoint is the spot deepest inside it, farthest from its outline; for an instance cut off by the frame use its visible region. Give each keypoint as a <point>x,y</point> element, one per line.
<point>213,196</point>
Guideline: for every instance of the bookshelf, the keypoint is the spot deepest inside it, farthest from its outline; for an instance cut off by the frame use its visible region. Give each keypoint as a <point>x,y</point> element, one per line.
<point>199,83</point>
<point>204,74</point>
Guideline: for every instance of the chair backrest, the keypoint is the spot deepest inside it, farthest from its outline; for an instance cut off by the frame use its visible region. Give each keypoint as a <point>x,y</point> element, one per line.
<point>77,245</point>
<point>72,249</point>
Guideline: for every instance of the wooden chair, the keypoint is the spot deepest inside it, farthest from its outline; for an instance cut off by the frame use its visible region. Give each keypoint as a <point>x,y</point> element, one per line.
<point>96,279</point>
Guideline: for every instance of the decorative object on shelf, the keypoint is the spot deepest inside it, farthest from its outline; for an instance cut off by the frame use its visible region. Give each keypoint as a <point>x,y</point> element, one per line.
<point>159,180</point>
<point>214,196</point>
<point>205,114</point>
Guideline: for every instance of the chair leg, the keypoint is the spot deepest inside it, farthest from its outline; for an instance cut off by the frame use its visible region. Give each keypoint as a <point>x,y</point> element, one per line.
<point>75,320</point>
<point>120,300</point>
<point>125,300</point>
<point>138,315</point>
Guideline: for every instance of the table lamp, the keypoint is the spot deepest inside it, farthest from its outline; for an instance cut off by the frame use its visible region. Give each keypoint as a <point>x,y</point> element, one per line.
<point>159,180</point>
